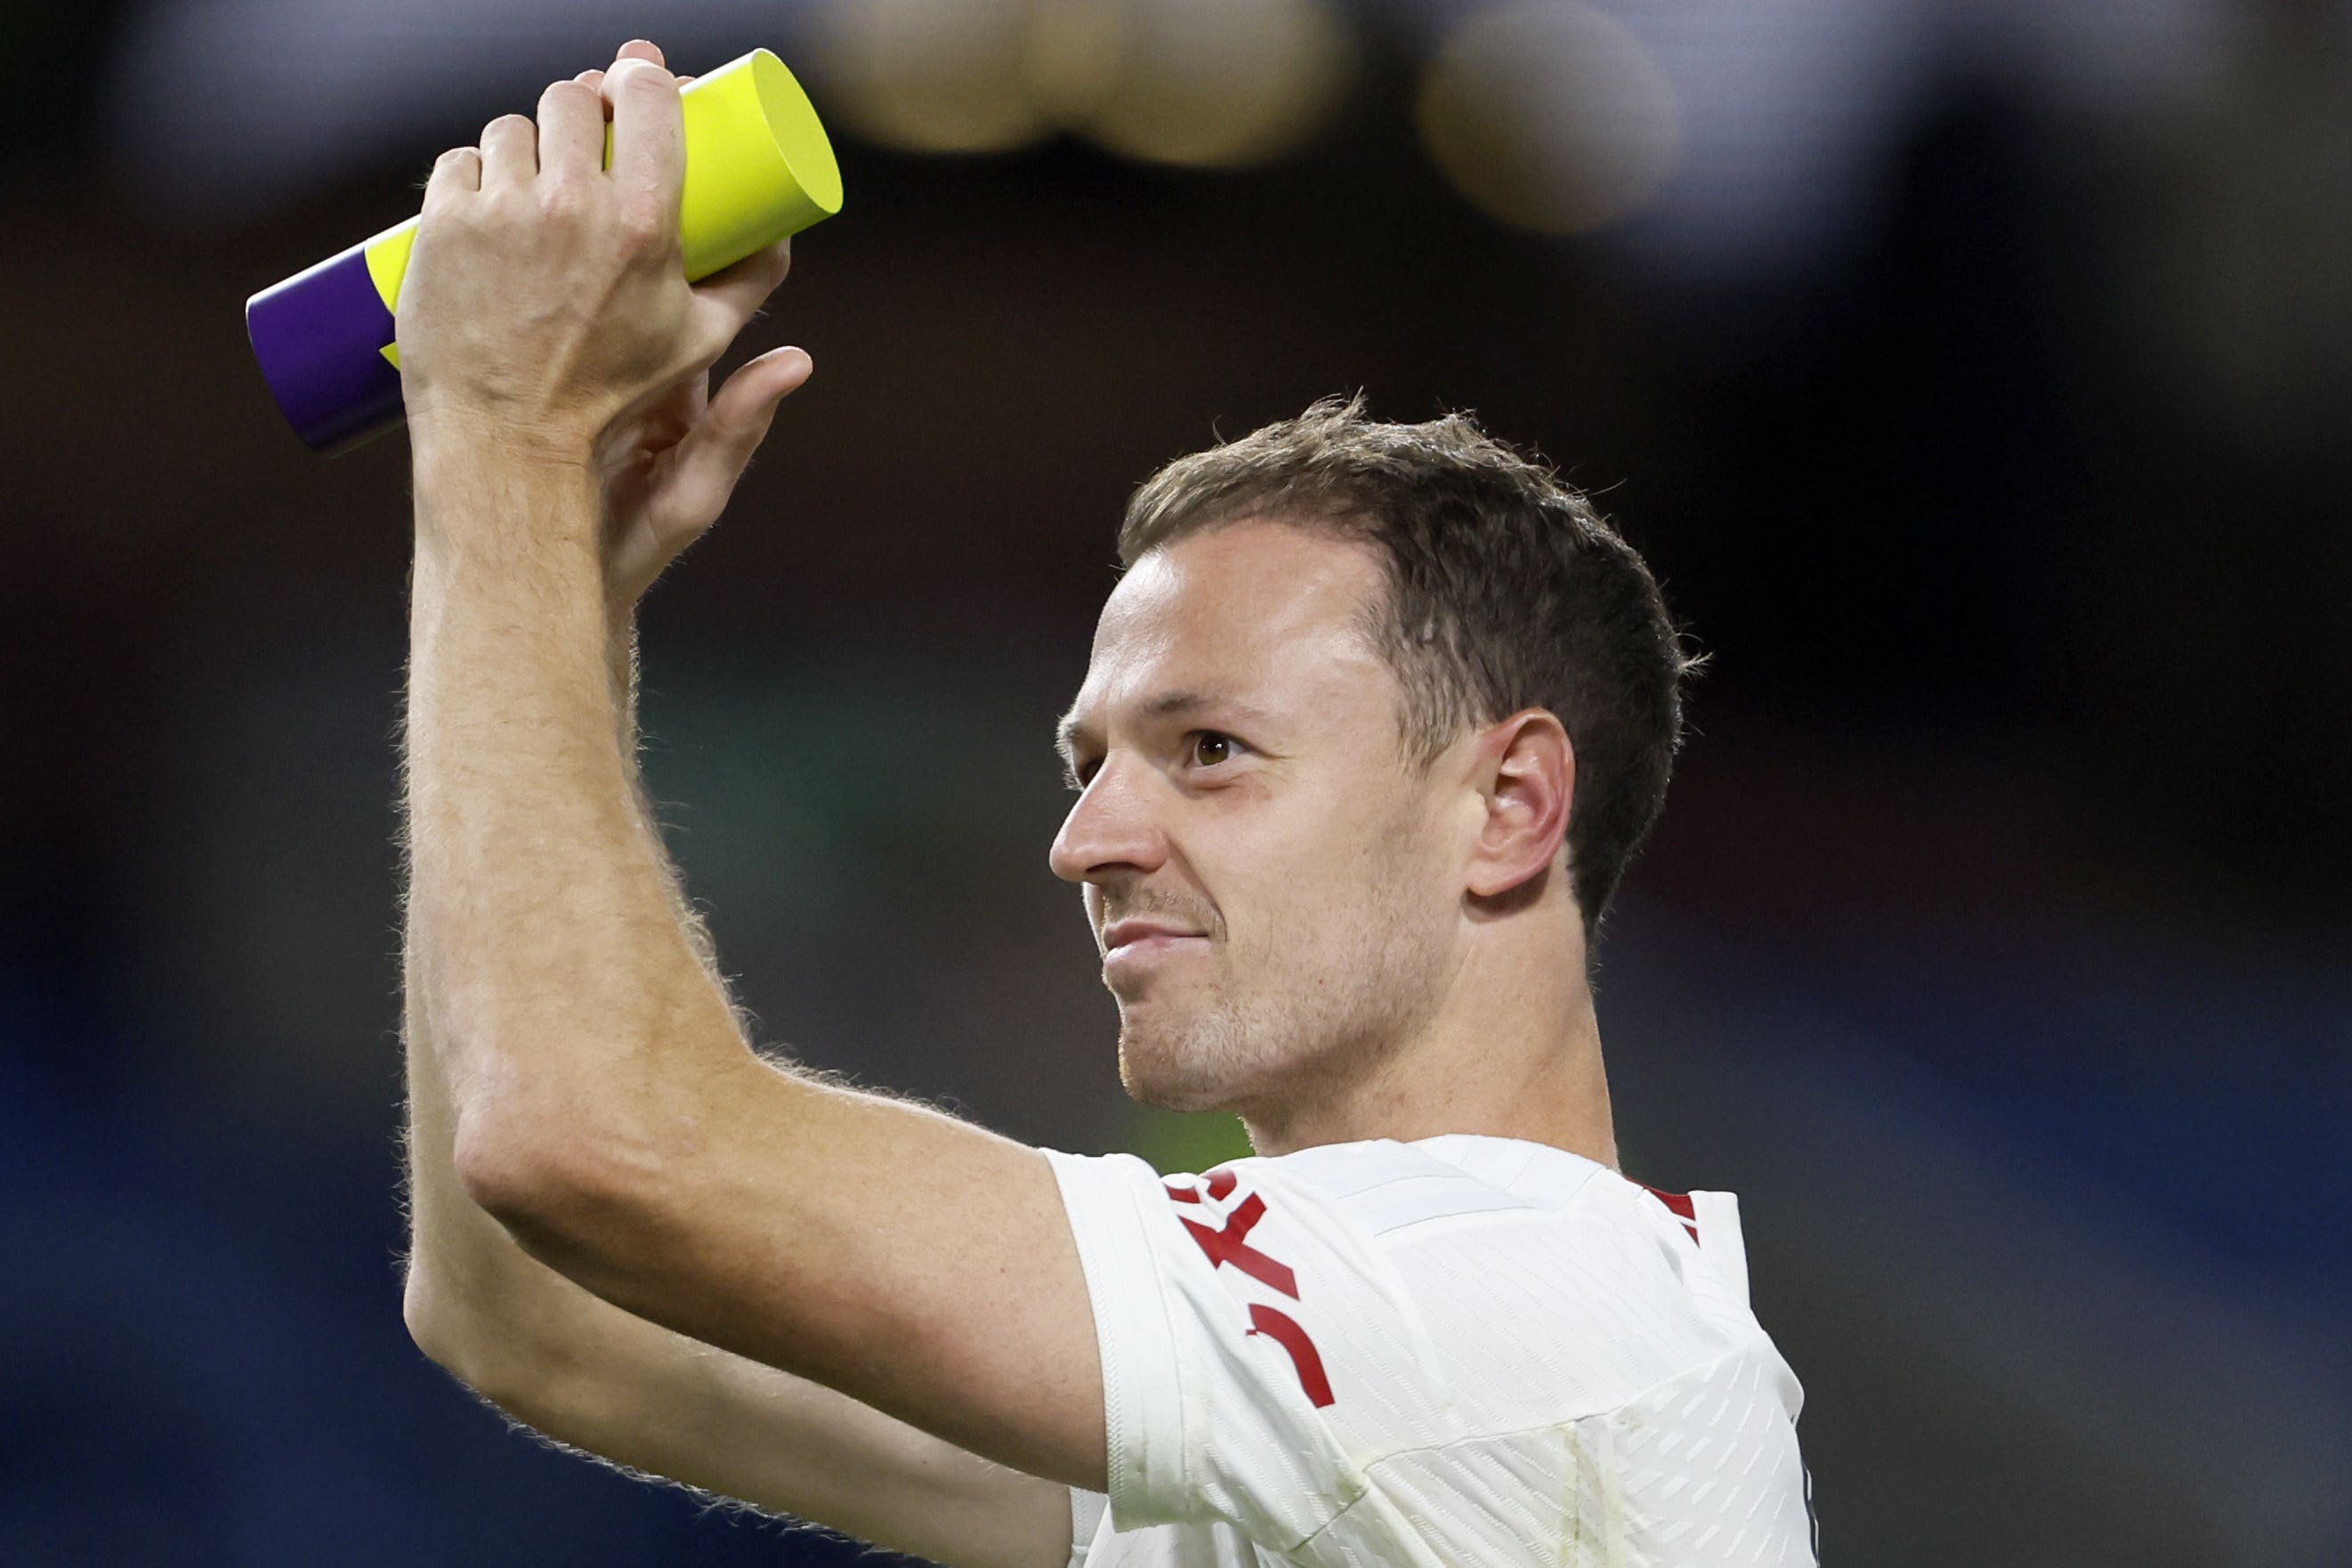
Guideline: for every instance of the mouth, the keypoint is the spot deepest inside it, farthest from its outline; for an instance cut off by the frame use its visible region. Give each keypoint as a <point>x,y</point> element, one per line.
<point>1128,945</point>
<point>1124,933</point>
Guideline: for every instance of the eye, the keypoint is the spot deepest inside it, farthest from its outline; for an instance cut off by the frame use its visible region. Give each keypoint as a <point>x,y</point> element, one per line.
<point>1078,775</point>
<point>1210,747</point>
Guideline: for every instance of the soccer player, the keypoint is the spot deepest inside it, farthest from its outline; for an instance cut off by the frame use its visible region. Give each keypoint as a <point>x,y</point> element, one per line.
<point>1373,720</point>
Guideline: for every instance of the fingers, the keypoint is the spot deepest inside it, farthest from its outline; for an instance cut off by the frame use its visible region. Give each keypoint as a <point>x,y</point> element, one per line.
<point>732,296</point>
<point>568,138</point>
<point>745,403</point>
<point>648,138</point>
<point>509,152</point>
<point>571,131</point>
<point>713,456</point>
<point>454,172</point>
<point>635,49</point>
<point>596,79</point>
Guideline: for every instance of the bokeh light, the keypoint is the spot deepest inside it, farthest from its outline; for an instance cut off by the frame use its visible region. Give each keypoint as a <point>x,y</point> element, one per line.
<point>933,76</point>
<point>1196,83</point>
<point>1552,117</point>
<point>1205,83</point>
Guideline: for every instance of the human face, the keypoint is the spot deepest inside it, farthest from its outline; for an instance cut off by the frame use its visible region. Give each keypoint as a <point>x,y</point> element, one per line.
<point>1264,874</point>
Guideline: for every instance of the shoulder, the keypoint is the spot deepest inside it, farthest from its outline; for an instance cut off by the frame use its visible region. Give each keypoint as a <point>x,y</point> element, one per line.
<point>1358,1330</point>
<point>1384,1190</point>
<point>1491,1193</point>
<point>1538,1285</point>
<point>1544,1287</point>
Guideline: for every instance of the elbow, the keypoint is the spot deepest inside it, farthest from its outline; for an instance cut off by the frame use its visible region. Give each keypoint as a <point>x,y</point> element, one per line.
<point>555,1184</point>
<point>525,1163</point>
<point>451,1339</point>
<point>496,1364</point>
<point>506,1166</point>
<point>431,1325</point>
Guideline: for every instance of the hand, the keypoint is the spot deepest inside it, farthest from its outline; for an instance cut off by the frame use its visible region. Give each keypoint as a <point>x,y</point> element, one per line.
<point>544,302</point>
<point>666,464</point>
<point>669,470</point>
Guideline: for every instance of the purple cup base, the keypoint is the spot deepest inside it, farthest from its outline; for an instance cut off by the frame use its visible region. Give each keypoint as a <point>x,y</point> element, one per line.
<point>319,337</point>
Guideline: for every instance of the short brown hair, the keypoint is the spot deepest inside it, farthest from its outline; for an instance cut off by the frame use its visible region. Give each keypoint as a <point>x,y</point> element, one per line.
<point>1507,589</point>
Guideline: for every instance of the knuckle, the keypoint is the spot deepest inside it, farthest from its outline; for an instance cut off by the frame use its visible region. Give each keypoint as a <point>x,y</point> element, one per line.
<point>639,224</point>
<point>571,98</point>
<point>570,201</point>
<point>454,175</point>
<point>634,75</point>
<point>499,206</point>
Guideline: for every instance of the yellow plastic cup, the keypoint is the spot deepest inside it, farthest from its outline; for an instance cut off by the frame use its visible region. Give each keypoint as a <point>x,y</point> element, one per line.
<point>758,168</point>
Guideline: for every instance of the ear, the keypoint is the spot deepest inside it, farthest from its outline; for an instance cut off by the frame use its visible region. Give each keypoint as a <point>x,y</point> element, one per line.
<point>1526,776</point>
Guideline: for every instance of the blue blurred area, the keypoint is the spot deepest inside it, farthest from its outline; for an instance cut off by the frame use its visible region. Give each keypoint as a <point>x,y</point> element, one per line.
<point>2062,1210</point>
<point>207,1365</point>
<point>1976,381</point>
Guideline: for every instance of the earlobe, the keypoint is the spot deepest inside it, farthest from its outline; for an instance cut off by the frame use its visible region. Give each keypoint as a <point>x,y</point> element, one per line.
<point>1529,784</point>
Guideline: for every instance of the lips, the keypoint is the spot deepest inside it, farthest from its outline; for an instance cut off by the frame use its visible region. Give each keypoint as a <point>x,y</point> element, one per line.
<point>1133,949</point>
<point>1124,933</point>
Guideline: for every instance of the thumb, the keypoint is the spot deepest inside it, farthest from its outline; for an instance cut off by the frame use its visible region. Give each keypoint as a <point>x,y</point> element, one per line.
<point>746,403</point>
<point>714,454</point>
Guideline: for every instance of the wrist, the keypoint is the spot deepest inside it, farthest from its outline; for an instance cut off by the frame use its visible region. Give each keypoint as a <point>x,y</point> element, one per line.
<point>442,436</point>
<point>621,648</point>
<point>495,516</point>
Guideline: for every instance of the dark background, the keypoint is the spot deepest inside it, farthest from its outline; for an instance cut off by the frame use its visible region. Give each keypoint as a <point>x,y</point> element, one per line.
<point>1977,376</point>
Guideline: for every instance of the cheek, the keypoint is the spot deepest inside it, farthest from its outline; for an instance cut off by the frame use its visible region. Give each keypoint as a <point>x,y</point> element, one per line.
<point>1323,887</point>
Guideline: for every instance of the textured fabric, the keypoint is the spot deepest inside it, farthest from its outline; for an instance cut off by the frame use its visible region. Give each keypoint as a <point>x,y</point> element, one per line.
<point>1459,1352</point>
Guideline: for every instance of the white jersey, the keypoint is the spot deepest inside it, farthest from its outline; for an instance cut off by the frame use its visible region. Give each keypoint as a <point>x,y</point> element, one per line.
<point>1459,1353</point>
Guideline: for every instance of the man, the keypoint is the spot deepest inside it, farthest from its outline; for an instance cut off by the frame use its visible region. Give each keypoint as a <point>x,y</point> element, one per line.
<point>1372,721</point>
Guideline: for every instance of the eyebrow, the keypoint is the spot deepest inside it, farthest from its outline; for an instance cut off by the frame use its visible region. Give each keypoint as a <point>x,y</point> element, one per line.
<point>1166,705</point>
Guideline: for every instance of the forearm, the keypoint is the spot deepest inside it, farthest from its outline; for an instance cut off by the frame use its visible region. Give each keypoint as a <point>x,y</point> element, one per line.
<point>621,655</point>
<point>474,1299</point>
<point>565,990</point>
<point>471,1292</point>
<point>468,1282</point>
<point>605,1108</point>
<point>585,1372</point>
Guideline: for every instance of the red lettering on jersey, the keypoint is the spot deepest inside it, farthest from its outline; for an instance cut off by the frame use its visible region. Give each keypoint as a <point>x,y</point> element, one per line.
<point>1231,1245</point>
<point>1285,1331</point>
<point>1684,1209</point>
<point>1221,1187</point>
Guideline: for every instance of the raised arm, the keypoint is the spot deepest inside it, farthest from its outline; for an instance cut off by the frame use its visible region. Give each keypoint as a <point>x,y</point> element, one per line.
<point>891,1292</point>
<point>587,1373</point>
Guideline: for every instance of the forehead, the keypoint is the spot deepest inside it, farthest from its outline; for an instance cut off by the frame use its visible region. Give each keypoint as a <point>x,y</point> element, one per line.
<point>1263,613</point>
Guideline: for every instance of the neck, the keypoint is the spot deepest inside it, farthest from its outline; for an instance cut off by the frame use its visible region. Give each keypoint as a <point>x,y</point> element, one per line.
<point>1513,1052</point>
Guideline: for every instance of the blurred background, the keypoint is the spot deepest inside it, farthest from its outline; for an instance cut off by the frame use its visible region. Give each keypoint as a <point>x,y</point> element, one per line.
<point>1977,374</point>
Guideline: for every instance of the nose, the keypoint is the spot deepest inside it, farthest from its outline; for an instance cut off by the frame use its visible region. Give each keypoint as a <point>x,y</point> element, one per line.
<point>1110,833</point>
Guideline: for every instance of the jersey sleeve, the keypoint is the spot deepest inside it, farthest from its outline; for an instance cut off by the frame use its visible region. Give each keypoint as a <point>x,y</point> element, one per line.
<point>1258,1350</point>
<point>1087,1510</point>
